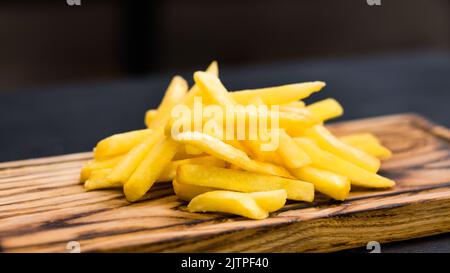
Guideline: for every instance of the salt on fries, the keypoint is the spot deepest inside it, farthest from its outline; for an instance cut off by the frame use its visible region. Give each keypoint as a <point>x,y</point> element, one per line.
<point>239,174</point>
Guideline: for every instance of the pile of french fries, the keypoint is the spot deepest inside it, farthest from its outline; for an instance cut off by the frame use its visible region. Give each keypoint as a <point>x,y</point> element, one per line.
<point>237,176</point>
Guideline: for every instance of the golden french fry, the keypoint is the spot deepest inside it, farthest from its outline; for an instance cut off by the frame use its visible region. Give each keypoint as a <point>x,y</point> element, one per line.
<point>295,104</point>
<point>270,200</point>
<point>327,141</point>
<point>213,69</point>
<point>186,191</point>
<point>243,181</point>
<point>149,169</point>
<point>226,152</point>
<point>98,180</point>
<point>328,183</point>
<point>191,150</point>
<point>170,171</point>
<point>279,94</point>
<point>119,143</point>
<point>238,145</point>
<point>325,109</point>
<point>174,95</point>
<point>229,202</point>
<point>94,165</point>
<point>367,143</point>
<point>330,162</point>
<point>150,116</point>
<point>290,152</point>
<point>126,166</point>
<point>213,88</point>
<point>254,147</point>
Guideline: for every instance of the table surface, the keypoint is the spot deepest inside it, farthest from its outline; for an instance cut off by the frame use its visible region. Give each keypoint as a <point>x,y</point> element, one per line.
<point>47,121</point>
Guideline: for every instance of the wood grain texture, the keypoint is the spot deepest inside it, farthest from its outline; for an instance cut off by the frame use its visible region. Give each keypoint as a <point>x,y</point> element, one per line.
<point>43,206</point>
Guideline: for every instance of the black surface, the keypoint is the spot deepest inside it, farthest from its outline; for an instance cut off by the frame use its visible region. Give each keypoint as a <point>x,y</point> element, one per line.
<point>58,120</point>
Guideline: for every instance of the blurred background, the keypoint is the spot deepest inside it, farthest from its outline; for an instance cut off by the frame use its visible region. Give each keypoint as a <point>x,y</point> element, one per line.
<point>48,42</point>
<point>73,74</point>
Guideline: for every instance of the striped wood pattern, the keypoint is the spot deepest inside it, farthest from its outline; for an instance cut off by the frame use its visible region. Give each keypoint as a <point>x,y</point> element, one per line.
<point>43,207</point>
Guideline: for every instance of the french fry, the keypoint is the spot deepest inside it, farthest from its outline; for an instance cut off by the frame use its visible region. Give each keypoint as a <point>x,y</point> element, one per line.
<point>290,152</point>
<point>328,161</point>
<point>213,69</point>
<point>226,152</point>
<point>229,202</point>
<point>243,181</point>
<point>238,145</point>
<point>325,109</point>
<point>119,143</point>
<point>327,141</point>
<point>150,116</point>
<point>186,191</point>
<point>191,150</point>
<point>279,94</point>
<point>213,88</point>
<point>175,93</point>
<point>170,171</point>
<point>98,180</point>
<point>254,147</point>
<point>270,200</point>
<point>94,165</point>
<point>328,183</point>
<point>367,143</point>
<point>126,166</point>
<point>277,148</point>
<point>149,169</point>
<point>295,104</point>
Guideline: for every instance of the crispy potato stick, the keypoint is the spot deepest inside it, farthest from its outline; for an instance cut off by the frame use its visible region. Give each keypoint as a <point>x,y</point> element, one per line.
<point>298,110</point>
<point>119,143</point>
<point>150,169</point>
<point>330,162</point>
<point>270,200</point>
<point>125,167</point>
<point>150,116</point>
<point>226,152</point>
<point>295,104</point>
<point>238,145</point>
<point>287,120</point>
<point>328,183</point>
<point>330,143</point>
<point>279,94</point>
<point>325,109</point>
<point>229,202</point>
<point>290,152</point>
<point>174,95</point>
<point>170,171</point>
<point>368,143</point>
<point>265,156</point>
<point>188,100</point>
<point>243,181</point>
<point>186,191</point>
<point>213,88</point>
<point>98,180</point>
<point>191,150</point>
<point>93,165</point>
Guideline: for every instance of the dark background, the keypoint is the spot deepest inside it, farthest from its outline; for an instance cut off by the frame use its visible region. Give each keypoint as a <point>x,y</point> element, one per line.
<point>47,42</point>
<point>71,75</point>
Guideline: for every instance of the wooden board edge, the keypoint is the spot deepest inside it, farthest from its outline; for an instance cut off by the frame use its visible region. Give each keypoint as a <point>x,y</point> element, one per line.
<point>322,235</point>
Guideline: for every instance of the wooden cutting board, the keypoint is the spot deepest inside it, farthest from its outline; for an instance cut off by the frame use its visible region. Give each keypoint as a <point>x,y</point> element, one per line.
<point>43,207</point>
